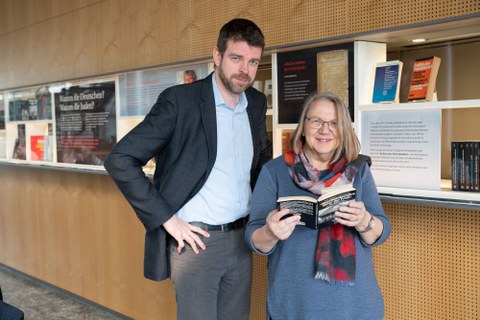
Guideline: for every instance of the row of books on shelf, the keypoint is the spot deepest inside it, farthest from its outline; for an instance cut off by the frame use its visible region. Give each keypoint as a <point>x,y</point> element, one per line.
<point>465,163</point>
<point>386,86</point>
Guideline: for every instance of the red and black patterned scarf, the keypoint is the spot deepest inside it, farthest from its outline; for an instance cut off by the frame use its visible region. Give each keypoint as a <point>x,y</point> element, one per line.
<point>335,255</point>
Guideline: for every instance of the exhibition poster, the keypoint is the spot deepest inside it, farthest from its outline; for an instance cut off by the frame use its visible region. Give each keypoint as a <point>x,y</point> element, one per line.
<point>85,121</point>
<point>139,90</point>
<point>308,71</point>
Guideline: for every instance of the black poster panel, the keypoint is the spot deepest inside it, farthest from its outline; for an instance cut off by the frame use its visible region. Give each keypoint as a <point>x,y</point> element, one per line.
<point>308,71</point>
<point>85,123</point>
<point>297,79</point>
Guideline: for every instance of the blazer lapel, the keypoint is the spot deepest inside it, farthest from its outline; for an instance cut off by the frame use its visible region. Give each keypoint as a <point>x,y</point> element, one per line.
<point>253,128</point>
<point>209,119</point>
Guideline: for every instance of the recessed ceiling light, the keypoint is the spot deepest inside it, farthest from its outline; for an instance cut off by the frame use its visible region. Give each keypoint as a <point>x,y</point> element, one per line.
<point>419,40</point>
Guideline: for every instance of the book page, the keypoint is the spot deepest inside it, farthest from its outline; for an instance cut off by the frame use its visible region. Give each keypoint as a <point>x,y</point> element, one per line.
<point>332,72</point>
<point>330,192</point>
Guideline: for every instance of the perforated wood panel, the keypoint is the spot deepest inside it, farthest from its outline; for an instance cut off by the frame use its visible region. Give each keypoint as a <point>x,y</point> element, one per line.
<point>259,288</point>
<point>76,231</point>
<point>44,41</point>
<point>429,268</point>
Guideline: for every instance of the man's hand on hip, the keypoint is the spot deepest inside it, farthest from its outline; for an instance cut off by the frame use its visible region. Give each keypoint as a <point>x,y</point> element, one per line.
<point>183,231</point>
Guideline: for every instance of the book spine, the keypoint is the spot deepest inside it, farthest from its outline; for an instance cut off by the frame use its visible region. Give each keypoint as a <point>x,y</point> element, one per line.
<point>454,164</point>
<point>461,150</point>
<point>466,164</point>
<point>309,218</point>
<point>476,164</point>
<point>470,166</point>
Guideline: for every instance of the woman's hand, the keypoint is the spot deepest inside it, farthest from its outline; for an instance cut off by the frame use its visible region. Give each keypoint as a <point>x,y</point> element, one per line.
<point>356,215</point>
<point>279,226</point>
<point>353,215</point>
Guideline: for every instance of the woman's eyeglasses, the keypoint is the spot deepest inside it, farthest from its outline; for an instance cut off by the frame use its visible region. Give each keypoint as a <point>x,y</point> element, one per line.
<point>317,123</point>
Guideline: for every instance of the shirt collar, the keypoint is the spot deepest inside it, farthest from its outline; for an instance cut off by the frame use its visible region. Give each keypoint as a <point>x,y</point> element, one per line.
<point>242,103</point>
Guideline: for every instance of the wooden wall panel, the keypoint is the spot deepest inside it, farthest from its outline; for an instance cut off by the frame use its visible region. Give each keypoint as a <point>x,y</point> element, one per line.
<point>76,231</point>
<point>44,41</point>
<point>19,14</point>
<point>429,268</point>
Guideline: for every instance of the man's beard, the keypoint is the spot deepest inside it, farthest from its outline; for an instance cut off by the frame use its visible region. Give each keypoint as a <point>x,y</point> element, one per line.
<point>230,85</point>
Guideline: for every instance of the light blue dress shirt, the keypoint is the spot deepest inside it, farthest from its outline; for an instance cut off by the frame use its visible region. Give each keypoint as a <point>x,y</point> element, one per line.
<point>225,196</point>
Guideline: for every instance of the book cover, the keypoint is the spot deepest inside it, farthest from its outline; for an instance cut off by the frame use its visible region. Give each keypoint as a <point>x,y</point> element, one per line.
<point>423,80</point>
<point>37,147</point>
<point>19,149</point>
<point>48,145</point>
<point>316,212</point>
<point>286,138</point>
<point>386,86</point>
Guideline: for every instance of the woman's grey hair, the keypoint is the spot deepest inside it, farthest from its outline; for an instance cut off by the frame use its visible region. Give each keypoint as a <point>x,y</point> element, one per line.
<point>349,144</point>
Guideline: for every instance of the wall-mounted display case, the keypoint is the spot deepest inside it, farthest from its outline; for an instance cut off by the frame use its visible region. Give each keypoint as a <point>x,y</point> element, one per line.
<point>75,124</point>
<point>421,168</point>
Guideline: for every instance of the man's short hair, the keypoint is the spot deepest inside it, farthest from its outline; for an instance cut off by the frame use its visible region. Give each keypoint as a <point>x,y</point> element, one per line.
<point>240,30</point>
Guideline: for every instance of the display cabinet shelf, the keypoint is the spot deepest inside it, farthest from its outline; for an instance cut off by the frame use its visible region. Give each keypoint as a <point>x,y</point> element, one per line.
<point>453,104</point>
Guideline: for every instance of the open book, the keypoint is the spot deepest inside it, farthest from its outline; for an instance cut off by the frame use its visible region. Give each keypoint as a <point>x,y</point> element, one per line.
<point>316,212</point>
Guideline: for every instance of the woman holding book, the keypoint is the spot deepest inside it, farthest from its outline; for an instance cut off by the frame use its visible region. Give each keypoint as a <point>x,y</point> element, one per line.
<point>325,273</point>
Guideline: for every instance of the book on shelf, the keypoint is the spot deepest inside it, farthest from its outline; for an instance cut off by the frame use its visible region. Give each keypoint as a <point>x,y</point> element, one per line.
<point>455,161</point>
<point>37,147</point>
<point>316,212</point>
<point>48,144</point>
<point>424,79</point>
<point>462,176</point>
<point>465,164</point>
<point>286,137</point>
<point>386,85</point>
<point>19,149</point>
<point>476,165</point>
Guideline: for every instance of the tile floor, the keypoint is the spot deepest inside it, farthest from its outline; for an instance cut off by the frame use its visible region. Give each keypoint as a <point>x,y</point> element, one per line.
<point>40,301</point>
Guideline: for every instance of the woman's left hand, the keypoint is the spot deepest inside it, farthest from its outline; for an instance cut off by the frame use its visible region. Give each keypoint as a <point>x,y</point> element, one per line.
<point>353,215</point>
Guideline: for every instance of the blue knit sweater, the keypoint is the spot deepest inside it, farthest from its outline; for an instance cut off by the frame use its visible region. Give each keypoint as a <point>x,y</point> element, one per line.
<point>293,293</point>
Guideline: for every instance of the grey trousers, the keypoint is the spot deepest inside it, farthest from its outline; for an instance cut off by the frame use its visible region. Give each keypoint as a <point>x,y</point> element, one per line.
<point>216,283</point>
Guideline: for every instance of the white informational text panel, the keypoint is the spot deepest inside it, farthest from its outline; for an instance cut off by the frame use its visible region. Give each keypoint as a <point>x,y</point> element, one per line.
<point>404,146</point>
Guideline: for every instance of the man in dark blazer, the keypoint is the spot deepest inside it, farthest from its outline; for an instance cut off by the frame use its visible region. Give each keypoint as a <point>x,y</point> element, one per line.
<point>209,141</point>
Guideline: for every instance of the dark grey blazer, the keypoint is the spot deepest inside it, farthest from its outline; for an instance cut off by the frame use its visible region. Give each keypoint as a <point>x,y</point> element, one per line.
<point>180,132</point>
